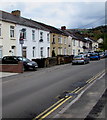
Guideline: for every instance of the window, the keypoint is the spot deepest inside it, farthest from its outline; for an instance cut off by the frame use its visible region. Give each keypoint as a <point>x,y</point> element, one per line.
<point>60,50</point>
<point>41,51</point>
<point>33,35</point>
<point>79,43</point>
<point>11,31</point>
<point>59,39</point>
<point>73,42</point>
<point>73,52</point>
<point>0,29</point>
<point>41,36</point>
<point>65,41</point>
<point>48,37</point>
<point>65,51</point>
<point>53,39</point>
<point>33,52</point>
<point>24,34</point>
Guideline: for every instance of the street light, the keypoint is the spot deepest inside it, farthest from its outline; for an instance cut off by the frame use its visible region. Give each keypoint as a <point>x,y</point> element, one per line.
<point>21,41</point>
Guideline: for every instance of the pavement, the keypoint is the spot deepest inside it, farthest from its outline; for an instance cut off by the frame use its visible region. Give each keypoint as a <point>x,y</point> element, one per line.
<point>91,104</point>
<point>6,74</point>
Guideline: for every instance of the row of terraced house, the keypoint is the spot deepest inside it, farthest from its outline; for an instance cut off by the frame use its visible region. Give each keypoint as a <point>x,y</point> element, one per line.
<point>40,40</point>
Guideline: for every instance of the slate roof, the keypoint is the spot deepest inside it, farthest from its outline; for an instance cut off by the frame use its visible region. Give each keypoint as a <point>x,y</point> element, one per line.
<point>8,17</point>
<point>53,29</point>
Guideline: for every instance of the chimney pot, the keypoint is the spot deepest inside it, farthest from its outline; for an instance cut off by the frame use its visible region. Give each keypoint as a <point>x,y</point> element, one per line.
<point>16,13</point>
<point>63,28</point>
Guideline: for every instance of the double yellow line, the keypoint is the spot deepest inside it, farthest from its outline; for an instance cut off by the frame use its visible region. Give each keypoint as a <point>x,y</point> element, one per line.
<point>52,108</point>
<point>95,77</point>
<point>55,106</point>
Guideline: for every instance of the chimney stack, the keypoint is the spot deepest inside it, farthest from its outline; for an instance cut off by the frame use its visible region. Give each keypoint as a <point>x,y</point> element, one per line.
<point>16,13</point>
<point>63,27</point>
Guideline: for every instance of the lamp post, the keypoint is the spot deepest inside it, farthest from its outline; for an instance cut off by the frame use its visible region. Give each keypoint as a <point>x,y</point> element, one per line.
<point>21,41</point>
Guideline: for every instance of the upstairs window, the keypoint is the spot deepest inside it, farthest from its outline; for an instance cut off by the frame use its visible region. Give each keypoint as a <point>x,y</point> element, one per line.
<point>65,41</point>
<point>33,35</point>
<point>41,36</point>
<point>59,39</point>
<point>53,42</point>
<point>48,37</point>
<point>73,42</point>
<point>12,31</point>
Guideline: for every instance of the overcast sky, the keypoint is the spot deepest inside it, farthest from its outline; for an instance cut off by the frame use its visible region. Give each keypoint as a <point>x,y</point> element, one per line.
<point>72,14</point>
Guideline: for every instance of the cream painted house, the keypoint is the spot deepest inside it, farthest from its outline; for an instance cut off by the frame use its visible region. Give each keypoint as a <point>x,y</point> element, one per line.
<point>7,38</point>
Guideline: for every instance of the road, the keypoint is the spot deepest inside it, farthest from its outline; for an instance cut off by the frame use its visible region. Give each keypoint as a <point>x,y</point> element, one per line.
<point>27,95</point>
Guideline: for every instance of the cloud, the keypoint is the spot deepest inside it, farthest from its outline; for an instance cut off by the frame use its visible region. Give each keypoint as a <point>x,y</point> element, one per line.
<point>70,14</point>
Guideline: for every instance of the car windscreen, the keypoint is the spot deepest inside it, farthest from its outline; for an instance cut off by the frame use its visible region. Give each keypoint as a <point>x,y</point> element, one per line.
<point>78,56</point>
<point>23,59</point>
<point>95,54</point>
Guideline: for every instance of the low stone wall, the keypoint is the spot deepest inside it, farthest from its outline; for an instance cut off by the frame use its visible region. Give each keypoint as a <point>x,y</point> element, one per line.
<point>52,61</point>
<point>15,68</point>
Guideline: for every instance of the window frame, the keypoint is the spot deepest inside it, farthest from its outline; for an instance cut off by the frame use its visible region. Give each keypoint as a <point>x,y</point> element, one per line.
<point>33,35</point>
<point>12,31</point>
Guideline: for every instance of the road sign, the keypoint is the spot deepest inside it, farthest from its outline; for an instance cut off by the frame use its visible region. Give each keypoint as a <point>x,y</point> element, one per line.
<point>21,38</point>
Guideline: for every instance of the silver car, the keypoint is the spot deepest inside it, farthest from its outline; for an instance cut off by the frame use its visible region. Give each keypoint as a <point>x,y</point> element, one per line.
<point>80,59</point>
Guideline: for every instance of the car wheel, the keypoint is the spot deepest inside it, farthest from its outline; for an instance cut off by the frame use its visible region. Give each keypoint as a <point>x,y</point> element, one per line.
<point>35,69</point>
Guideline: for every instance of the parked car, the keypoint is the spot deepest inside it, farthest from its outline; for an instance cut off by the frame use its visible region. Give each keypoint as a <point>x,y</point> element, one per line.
<point>105,55</point>
<point>94,56</point>
<point>80,59</point>
<point>27,64</point>
<point>102,54</point>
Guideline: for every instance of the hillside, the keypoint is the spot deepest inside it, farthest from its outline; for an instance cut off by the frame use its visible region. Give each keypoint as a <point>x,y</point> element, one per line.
<point>95,34</point>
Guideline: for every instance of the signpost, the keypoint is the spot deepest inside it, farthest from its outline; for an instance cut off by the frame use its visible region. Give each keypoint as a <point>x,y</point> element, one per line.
<point>21,41</point>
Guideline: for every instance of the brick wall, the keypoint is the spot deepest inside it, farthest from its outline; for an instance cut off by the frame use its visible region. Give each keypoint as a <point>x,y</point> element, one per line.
<point>15,68</point>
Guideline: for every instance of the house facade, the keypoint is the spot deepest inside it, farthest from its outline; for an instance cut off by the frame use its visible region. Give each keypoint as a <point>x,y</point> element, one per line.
<point>36,37</point>
<point>7,38</point>
<point>40,40</point>
<point>59,44</point>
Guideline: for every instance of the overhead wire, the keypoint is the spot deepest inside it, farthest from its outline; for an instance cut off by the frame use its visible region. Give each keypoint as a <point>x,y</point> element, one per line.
<point>91,23</point>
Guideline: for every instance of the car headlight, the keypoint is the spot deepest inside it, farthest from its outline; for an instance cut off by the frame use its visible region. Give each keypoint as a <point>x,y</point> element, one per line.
<point>29,64</point>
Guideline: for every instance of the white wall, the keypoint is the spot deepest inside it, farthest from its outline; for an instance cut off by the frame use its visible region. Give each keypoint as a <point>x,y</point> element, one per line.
<point>29,43</point>
<point>6,42</point>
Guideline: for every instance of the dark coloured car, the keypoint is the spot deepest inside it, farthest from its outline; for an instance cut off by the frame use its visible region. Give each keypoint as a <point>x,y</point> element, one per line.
<point>94,56</point>
<point>27,64</point>
<point>105,54</point>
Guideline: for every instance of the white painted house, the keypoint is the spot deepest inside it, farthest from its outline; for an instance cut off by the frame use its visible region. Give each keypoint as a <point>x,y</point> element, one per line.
<point>36,37</point>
